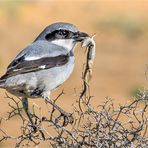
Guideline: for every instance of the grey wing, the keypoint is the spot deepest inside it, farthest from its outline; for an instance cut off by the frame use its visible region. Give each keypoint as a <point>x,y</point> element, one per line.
<point>37,50</point>
<point>38,56</point>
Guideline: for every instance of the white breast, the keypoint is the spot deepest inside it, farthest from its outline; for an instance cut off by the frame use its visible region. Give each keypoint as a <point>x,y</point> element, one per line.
<point>54,77</point>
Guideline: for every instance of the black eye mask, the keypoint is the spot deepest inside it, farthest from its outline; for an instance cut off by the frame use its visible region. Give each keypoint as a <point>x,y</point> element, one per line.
<point>59,34</point>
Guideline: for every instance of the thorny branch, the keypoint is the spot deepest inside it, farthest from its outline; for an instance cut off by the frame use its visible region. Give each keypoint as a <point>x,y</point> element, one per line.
<point>100,127</point>
<point>104,126</point>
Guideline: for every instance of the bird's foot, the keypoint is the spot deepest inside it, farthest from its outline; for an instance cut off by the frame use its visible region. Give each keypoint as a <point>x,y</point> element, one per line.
<point>25,106</point>
<point>67,119</point>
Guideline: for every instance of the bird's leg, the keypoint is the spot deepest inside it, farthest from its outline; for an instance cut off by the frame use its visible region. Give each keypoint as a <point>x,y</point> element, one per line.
<point>25,106</point>
<point>67,116</point>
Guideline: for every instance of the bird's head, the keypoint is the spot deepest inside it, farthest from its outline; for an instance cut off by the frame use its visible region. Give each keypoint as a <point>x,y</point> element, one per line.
<point>62,34</point>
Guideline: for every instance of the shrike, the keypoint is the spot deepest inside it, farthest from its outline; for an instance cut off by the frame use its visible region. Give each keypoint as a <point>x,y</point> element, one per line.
<point>44,64</point>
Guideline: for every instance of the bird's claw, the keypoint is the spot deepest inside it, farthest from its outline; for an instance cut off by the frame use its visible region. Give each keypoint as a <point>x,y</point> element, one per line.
<point>67,119</point>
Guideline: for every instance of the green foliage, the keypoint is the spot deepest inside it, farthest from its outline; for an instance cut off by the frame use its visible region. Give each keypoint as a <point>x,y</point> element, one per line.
<point>139,92</point>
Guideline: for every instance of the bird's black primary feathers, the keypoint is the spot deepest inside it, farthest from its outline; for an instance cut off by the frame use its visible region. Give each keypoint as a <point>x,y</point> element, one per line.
<point>21,66</point>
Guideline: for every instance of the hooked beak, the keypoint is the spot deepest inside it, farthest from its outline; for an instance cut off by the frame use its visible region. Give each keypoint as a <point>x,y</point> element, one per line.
<point>80,36</point>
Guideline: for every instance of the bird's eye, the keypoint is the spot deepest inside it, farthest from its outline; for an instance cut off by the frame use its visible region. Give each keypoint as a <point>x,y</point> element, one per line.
<point>63,33</point>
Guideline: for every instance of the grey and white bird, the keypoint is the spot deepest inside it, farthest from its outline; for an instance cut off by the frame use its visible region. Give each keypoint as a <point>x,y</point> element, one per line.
<point>44,64</point>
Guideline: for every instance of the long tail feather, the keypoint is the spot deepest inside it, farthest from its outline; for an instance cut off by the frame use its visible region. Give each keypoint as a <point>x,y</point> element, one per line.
<point>2,83</point>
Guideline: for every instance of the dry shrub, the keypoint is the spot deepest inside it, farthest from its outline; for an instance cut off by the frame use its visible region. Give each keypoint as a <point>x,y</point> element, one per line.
<point>91,127</point>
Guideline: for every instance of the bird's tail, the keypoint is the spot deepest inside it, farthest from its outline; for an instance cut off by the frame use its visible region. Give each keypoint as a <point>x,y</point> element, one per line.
<point>2,83</point>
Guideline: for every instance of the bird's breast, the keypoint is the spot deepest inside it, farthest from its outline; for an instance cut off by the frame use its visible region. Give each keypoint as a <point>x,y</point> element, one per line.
<point>65,71</point>
<point>52,78</point>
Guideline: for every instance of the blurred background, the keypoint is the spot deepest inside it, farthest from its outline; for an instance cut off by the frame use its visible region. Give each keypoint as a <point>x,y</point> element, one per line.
<point>121,28</point>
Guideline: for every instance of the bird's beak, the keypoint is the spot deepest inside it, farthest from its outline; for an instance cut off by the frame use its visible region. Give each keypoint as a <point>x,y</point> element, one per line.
<point>80,36</point>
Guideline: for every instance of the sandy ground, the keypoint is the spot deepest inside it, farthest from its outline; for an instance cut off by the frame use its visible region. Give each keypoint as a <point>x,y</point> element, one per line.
<point>121,38</point>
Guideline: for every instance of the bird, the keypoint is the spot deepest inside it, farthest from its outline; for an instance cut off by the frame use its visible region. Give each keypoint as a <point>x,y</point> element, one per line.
<point>43,65</point>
